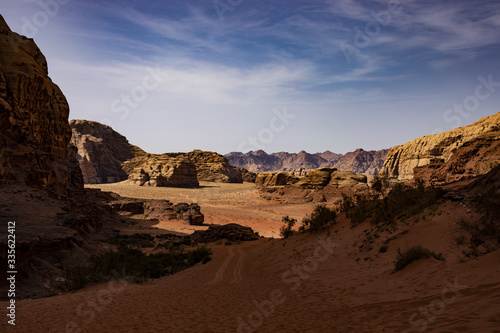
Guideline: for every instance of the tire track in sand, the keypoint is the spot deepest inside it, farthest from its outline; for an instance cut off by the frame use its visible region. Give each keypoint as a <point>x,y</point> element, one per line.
<point>237,269</point>
<point>220,272</point>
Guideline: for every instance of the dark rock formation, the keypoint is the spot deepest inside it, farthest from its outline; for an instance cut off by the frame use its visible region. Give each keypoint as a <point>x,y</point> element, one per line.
<point>232,232</point>
<point>42,185</point>
<point>158,209</point>
<point>34,130</point>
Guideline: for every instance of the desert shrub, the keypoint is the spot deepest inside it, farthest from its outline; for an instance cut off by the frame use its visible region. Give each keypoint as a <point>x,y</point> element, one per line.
<point>201,254</point>
<point>460,240</point>
<point>286,230</point>
<point>320,219</point>
<point>135,240</point>
<point>487,230</point>
<point>81,271</point>
<point>380,184</point>
<point>488,203</point>
<point>78,269</point>
<point>412,254</point>
<point>383,249</point>
<point>399,202</point>
<point>357,208</point>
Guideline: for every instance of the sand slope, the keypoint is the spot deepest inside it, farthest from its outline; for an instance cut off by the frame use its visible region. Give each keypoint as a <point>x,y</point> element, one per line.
<point>300,285</point>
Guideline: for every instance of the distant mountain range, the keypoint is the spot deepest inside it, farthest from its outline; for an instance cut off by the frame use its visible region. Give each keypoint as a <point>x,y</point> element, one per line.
<point>359,161</point>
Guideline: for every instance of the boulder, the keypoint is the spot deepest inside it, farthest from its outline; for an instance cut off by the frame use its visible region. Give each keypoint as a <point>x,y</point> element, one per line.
<point>232,232</point>
<point>316,178</point>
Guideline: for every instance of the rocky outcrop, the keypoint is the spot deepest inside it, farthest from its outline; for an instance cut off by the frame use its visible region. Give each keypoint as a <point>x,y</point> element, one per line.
<point>213,167</point>
<point>275,179</point>
<point>248,176</point>
<point>473,158</point>
<point>449,155</point>
<point>359,161</point>
<point>313,179</point>
<point>158,210</point>
<point>101,151</point>
<point>106,156</point>
<point>320,178</point>
<point>232,232</point>
<point>34,130</point>
<point>161,170</point>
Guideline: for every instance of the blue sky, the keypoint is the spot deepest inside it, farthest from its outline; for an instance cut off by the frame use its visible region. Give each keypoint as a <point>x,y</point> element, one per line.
<point>234,75</point>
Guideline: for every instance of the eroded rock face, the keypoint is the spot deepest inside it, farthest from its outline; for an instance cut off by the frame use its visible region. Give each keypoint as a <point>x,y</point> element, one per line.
<point>34,130</point>
<point>437,151</point>
<point>248,176</point>
<point>275,179</point>
<point>213,167</point>
<point>161,170</point>
<point>101,151</point>
<point>105,156</point>
<point>473,158</point>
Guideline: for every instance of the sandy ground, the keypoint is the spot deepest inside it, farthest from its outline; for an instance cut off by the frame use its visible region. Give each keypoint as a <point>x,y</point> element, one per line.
<point>220,203</point>
<point>309,283</point>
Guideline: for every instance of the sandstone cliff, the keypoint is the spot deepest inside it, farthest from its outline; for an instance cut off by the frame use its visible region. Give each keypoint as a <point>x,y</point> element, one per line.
<point>359,161</point>
<point>106,156</point>
<point>42,186</point>
<point>463,152</point>
<point>101,151</point>
<point>34,130</point>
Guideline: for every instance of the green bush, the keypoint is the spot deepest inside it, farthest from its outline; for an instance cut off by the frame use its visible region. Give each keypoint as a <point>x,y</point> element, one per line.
<point>320,219</point>
<point>286,230</point>
<point>401,201</point>
<point>412,254</point>
<point>81,271</point>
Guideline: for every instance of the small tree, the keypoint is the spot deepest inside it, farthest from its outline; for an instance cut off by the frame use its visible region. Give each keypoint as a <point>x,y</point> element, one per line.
<point>286,230</point>
<point>320,219</point>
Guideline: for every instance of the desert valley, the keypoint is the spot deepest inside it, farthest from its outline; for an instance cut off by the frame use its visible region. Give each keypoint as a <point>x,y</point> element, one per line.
<point>99,235</point>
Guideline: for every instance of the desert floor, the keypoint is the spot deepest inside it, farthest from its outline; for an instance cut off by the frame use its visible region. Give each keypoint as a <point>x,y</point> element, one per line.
<point>331,282</point>
<point>221,204</point>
